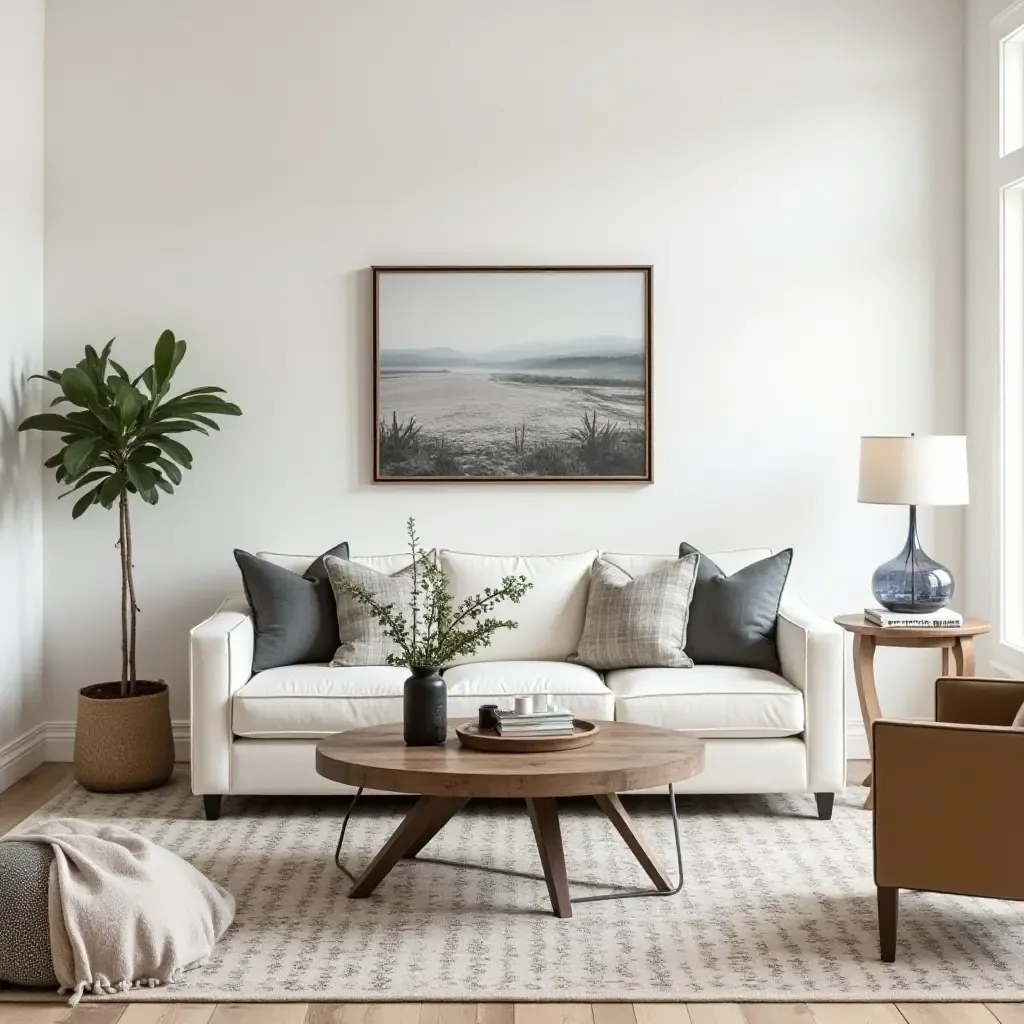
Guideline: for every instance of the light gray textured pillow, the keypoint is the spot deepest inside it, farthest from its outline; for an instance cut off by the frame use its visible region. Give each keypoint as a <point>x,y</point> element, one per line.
<point>637,622</point>
<point>1019,719</point>
<point>362,638</point>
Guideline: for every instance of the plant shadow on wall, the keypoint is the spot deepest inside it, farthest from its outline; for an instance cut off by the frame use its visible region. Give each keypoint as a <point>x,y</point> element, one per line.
<point>13,467</point>
<point>118,441</point>
<point>594,448</point>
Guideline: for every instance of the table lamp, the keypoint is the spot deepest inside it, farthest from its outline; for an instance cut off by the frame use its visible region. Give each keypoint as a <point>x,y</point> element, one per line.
<point>915,470</point>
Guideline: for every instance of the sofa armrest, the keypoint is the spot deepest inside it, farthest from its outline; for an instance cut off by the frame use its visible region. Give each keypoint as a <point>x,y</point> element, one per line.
<point>975,701</point>
<point>946,813</point>
<point>220,663</point>
<point>812,658</point>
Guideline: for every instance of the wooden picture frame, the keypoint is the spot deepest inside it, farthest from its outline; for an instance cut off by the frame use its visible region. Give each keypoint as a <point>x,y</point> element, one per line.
<point>512,373</point>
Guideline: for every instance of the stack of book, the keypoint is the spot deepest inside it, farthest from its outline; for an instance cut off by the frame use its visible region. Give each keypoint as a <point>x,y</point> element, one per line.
<point>540,723</point>
<point>944,618</point>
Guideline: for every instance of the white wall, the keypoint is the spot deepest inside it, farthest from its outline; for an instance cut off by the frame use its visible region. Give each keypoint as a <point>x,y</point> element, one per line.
<point>21,350</point>
<point>791,169</point>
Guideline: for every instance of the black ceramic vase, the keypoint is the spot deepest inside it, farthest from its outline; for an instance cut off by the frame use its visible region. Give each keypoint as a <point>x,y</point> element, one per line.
<point>425,708</point>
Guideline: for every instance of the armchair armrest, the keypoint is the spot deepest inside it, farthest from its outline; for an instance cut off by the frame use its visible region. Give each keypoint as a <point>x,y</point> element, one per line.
<point>974,701</point>
<point>812,658</point>
<point>947,808</point>
<point>220,663</point>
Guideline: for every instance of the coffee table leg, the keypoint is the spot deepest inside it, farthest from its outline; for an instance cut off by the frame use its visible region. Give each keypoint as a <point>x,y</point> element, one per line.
<point>612,807</point>
<point>544,817</point>
<point>456,806</point>
<point>426,819</point>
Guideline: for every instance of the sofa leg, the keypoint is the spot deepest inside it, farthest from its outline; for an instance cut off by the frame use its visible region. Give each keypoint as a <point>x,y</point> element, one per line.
<point>888,917</point>
<point>825,802</point>
<point>211,805</point>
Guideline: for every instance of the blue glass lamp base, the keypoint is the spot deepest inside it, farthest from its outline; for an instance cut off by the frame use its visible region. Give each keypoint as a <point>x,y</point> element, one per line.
<point>912,581</point>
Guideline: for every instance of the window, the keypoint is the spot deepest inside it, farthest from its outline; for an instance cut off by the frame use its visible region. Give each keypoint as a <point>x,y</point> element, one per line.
<point>1009,186</point>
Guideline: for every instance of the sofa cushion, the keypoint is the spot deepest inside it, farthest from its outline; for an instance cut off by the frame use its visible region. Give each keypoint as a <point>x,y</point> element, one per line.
<point>550,615</point>
<point>733,617</point>
<point>575,687</point>
<point>294,615</point>
<point>313,701</point>
<point>710,700</point>
<point>639,620</point>
<point>728,561</point>
<point>298,563</point>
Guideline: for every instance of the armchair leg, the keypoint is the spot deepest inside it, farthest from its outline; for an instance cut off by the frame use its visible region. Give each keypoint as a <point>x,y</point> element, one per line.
<point>888,917</point>
<point>211,805</point>
<point>825,802</point>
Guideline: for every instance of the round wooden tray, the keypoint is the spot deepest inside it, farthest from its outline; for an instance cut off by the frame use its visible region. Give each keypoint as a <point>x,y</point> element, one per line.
<point>470,736</point>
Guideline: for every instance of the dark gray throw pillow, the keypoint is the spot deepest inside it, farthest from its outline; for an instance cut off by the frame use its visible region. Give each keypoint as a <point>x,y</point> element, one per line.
<point>25,957</point>
<point>733,618</point>
<point>294,616</point>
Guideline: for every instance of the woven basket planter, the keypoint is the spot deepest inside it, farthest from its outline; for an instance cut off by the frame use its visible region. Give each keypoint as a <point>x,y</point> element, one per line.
<point>123,744</point>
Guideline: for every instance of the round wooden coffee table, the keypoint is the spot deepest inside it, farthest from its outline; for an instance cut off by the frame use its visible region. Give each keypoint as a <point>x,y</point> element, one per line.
<point>622,757</point>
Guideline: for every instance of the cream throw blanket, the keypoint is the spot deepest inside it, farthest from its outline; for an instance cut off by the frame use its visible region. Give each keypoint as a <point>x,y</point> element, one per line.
<point>123,911</point>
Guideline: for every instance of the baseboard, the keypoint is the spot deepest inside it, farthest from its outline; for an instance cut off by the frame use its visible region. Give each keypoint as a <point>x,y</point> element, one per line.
<point>60,740</point>
<point>22,755</point>
<point>856,741</point>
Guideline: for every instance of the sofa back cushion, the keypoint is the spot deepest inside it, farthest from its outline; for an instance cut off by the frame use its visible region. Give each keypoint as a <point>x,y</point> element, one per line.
<point>728,561</point>
<point>550,615</point>
<point>298,563</point>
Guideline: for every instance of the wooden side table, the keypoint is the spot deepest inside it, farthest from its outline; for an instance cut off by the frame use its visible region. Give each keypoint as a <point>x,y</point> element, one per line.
<point>957,644</point>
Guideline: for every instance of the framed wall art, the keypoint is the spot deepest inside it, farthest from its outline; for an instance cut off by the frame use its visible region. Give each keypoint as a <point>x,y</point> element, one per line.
<point>512,373</point>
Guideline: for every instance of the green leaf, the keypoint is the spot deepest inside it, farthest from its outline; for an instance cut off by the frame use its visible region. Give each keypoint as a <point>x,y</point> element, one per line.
<point>147,453</point>
<point>163,357</point>
<point>150,497</point>
<point>89,478</point>
<point>172,427</point>
<point>79,387</point>
<point>210,404</point>
<point>105,355</point>
<point>164,485</point>
<point>179,354</point>
<point>84,502</point>
<point>172,471</point>
<point>121,371</point>
<point>87,422</point>
<point>175,450</point>
<point>47,421</point>
<point>141,476</point>
<point>212,424</point>
<point>60,475</point>
<point>54,460</point>
<point>111,489</point>
<point>129,403</point>
<point>53,376</point>
<point>58,400</point>
<point>81,455</point>
<point>200,391</point>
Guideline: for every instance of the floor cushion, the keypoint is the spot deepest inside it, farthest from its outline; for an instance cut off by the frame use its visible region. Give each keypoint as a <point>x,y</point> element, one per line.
<point>25,957</point>
<point>711,700</point>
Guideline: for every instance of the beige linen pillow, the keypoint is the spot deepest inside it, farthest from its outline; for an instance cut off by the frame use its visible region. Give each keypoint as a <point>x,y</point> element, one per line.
<point>1019,720</point>
<point>637,622</point>
<point>362,638</point>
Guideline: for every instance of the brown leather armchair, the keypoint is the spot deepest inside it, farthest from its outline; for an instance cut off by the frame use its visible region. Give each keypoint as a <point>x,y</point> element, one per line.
<point>948,797</point>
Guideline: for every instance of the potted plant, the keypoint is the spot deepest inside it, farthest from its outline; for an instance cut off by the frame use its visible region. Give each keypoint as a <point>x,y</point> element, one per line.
<point>433,635</point>
<point>119,441</point>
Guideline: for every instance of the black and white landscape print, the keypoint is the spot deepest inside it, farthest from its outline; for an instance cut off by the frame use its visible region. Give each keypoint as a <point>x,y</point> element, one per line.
<point>512,374</point>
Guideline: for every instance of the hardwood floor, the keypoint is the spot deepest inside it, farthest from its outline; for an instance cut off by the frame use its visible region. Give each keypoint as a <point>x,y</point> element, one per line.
<point>35,789</point>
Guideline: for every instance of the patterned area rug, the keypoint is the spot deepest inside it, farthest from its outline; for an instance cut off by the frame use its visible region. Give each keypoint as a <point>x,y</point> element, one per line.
<point>777,906</point>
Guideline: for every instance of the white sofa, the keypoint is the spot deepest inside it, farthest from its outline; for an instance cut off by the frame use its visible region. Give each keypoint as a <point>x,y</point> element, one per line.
<point>765,733</point>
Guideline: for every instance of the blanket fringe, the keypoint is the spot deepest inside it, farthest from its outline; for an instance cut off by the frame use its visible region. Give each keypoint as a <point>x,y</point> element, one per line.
<point>101,987</point>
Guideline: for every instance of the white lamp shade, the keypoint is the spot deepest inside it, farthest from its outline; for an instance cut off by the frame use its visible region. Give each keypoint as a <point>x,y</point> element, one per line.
<point>925,470</point>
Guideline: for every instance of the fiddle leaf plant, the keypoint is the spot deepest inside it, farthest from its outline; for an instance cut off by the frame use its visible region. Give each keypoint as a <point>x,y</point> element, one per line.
<point>118,440</point>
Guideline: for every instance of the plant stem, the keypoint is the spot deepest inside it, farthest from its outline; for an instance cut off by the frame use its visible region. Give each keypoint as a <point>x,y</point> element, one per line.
<point>131,595</point>
<point>122,508</point>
